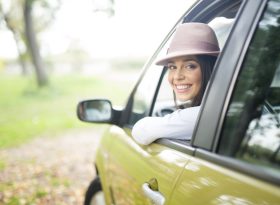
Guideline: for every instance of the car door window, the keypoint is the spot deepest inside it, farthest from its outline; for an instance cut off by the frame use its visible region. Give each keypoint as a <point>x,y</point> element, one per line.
<point>251,131</point>
<point>164,103</point>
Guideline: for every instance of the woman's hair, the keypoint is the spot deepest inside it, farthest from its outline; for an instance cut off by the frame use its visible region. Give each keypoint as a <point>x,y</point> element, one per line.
<point>206,63</point>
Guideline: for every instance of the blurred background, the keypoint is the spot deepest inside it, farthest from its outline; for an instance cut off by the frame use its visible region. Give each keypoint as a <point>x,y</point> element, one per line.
<point>54,53</point>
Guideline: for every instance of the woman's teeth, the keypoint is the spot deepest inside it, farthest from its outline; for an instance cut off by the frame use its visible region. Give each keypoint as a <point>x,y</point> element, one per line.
<point>181,87</point>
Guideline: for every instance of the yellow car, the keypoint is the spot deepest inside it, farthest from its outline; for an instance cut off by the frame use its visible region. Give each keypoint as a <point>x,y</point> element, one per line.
<point>234,154</point>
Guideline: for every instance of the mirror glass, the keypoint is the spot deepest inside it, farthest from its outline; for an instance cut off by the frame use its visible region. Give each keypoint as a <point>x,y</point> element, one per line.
<point>96,110</point>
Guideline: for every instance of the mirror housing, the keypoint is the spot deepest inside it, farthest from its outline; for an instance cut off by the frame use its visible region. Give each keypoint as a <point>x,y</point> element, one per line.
<point>95,110</point>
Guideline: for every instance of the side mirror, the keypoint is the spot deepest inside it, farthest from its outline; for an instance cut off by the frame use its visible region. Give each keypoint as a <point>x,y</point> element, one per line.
<point>97,110</point>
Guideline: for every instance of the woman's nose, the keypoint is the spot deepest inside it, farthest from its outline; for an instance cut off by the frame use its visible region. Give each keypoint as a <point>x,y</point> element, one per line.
<point>178,74</point>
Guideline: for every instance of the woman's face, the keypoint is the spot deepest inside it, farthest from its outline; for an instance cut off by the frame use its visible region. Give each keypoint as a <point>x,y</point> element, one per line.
<point>184,77</point>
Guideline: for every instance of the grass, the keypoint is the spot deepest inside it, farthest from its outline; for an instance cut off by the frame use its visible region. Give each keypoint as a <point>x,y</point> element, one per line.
<point>27,112</point>
<point>2,165</point>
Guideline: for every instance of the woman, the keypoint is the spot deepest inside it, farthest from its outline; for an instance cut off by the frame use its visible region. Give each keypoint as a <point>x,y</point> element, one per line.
<point>190,60</point>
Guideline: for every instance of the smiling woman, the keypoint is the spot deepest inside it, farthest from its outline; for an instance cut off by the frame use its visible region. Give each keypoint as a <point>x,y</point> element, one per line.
<point>190,60</point>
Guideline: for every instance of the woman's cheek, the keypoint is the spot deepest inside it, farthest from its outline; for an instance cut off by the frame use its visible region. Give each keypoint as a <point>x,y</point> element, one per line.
<point>170,78</point>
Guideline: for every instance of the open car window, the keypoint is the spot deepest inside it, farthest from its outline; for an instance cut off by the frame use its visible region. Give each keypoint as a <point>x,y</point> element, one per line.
<point>164,103</point>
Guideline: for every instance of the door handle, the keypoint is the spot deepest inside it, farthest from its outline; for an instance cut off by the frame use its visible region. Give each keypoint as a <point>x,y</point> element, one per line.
<point>155,196</point>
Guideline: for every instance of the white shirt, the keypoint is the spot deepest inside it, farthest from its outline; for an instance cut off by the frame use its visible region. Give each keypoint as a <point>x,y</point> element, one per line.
<point>177,125</point>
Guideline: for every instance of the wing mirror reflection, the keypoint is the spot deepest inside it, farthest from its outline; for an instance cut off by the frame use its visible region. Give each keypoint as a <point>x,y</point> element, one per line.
<point>96,110</point>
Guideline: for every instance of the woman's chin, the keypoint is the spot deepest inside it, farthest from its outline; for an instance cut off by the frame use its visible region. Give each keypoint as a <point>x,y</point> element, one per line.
<point>183,98</point>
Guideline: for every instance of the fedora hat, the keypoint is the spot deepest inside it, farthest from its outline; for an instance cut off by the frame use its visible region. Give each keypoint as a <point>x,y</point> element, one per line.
<point>191,39</point>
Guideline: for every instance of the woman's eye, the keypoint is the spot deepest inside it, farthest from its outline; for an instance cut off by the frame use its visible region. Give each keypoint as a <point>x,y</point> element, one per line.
<point>190,66</point>
<point>171,67</point>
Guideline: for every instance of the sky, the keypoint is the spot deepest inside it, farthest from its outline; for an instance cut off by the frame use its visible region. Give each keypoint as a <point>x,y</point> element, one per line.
<point>136,29</point>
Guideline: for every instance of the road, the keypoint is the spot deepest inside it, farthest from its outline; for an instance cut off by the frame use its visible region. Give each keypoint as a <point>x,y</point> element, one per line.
<point>49,170</point>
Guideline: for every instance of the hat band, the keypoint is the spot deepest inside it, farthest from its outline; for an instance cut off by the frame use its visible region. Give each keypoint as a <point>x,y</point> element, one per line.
<point>202,46</point>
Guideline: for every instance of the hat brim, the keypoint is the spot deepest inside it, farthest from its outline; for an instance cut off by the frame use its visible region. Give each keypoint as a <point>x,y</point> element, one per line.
<point>168,57</point>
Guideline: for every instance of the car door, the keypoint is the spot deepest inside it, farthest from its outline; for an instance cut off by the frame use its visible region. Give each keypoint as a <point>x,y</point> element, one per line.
<point>131,165</point>
<point>237,157</point>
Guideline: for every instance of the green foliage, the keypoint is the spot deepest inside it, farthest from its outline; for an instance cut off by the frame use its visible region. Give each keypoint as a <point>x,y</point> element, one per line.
<point>27,111</point>
<point>14,201</point>
<point>41,193</point>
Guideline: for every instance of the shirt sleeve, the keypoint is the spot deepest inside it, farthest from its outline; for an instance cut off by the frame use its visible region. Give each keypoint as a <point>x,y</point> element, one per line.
<point>177,125</point>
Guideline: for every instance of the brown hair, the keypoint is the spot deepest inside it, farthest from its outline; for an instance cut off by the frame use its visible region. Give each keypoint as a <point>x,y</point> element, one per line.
<point>206,63</point>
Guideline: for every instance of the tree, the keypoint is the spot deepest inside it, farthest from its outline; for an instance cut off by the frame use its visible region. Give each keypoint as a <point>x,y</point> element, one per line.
<point>26,26</point>
<point>32,44</point>
<point>20,20</point>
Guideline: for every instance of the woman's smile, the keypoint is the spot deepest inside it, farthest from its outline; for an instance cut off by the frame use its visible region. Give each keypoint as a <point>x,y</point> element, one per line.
<point>183,88</point>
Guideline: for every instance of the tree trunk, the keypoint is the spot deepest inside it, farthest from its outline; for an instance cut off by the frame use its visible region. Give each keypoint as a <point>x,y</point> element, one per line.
<point>41,74</point>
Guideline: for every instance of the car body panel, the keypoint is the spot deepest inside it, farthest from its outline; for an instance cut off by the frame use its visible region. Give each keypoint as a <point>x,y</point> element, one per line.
<point>102,162</point>
<point>203,182</point>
